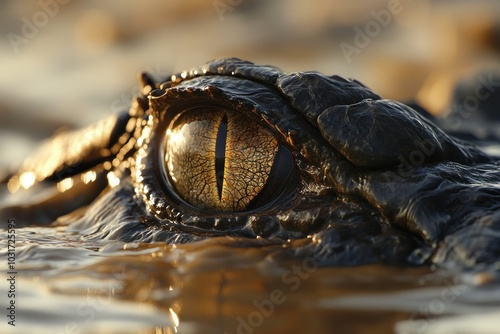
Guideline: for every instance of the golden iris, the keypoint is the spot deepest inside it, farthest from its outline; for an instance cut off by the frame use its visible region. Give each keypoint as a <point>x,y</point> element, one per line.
<point>218,159</point>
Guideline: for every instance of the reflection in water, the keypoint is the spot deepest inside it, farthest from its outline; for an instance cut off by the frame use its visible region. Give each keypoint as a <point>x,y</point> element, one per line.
<point>213,287</point>
<point>66,76</point>
<point>89,176</point>
<point>27,179</point>
<point>65,184</point>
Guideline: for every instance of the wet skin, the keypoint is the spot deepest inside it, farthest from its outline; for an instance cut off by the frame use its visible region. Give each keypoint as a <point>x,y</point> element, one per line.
<point>320,164</point>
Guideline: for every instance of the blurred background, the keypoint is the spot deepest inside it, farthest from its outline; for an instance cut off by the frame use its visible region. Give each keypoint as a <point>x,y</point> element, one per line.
<point>67,63</point>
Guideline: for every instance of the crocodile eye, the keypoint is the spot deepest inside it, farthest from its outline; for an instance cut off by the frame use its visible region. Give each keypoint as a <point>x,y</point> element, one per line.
<point>217,159</point>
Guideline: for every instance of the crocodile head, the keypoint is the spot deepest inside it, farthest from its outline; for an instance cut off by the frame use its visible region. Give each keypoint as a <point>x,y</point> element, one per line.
<point>320,164</point>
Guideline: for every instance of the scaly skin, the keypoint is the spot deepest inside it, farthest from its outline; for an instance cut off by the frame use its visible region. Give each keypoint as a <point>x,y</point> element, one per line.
<point>373,181</point>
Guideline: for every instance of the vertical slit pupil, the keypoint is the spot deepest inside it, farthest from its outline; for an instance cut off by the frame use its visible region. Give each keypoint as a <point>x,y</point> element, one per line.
<point>220,154</point>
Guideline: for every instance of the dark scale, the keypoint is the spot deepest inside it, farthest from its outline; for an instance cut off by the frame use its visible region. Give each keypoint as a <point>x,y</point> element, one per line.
<point>319,163</point>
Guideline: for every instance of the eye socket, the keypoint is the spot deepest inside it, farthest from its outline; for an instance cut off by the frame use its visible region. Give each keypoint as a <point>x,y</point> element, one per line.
<point>217,159</point>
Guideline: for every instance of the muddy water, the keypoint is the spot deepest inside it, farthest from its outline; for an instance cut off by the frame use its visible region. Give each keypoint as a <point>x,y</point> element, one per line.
<point>67,285</point>
<point>81,65</point>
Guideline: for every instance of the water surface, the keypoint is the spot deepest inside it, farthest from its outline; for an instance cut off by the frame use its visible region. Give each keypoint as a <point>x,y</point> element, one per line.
<point>69,75</point>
